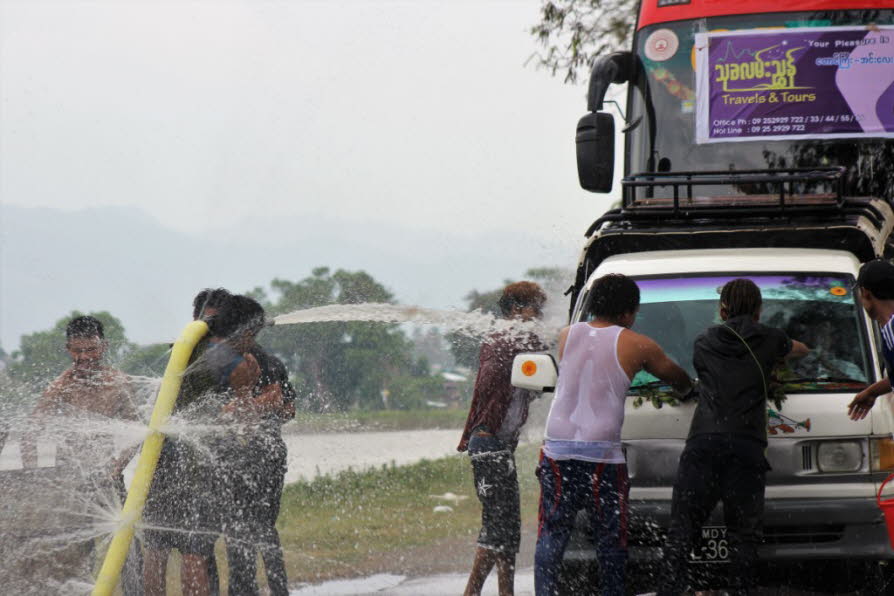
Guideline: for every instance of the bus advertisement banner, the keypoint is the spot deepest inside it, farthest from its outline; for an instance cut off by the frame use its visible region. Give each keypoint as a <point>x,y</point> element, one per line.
<point>786,84</point>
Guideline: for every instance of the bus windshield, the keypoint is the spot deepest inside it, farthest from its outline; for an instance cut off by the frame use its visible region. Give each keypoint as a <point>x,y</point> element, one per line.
<point>817,309</point>
<point>663,97</point>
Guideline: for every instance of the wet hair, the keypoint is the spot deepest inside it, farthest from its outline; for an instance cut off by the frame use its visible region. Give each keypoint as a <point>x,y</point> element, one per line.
<point>209,297</point>
<point>521,294</point>
<point>740,297</point>
<point>613,296</point>
<point>84,326</point>
<point>239,313</point>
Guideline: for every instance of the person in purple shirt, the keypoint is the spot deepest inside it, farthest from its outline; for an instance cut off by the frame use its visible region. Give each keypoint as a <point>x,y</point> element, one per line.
<point>875,289</point>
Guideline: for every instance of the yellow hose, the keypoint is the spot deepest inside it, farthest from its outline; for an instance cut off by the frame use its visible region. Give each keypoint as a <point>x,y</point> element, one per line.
<point>139,488</point>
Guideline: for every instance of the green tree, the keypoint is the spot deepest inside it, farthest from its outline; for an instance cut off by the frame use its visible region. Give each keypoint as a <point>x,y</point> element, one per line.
<point>42,356</point>
<point>553,280</point>
<point>340,364</point>
<point>572,33</point>
<point>465,347</point>
<point>147,361</point>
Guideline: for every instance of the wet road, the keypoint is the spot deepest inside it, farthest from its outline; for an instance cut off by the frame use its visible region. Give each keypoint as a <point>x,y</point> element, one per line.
<point>450,584</point>
<point>313,454</point>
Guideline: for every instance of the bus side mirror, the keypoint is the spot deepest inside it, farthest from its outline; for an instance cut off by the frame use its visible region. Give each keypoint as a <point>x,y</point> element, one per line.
<point>596,151</point>
<point>536,372</point>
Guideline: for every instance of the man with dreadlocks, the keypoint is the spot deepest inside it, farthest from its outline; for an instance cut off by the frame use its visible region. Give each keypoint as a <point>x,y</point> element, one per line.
<point>724,454</point>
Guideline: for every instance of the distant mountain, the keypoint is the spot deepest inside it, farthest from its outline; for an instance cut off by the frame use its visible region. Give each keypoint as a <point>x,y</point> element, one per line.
<point>122,260</point>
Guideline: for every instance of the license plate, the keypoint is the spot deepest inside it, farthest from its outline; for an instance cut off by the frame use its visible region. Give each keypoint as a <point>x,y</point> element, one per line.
<point>712,548</point>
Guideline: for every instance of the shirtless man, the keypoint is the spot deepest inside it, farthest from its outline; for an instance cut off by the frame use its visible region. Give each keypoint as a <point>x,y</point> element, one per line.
<point>87,386</point>
<point>89,389</point>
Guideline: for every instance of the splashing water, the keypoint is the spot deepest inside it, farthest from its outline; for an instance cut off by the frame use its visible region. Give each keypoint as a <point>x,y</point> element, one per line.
<point>475,323</point>
<point>59,517</point>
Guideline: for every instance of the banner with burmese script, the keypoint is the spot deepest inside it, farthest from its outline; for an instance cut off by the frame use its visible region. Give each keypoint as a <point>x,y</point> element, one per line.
<point>809,82</point>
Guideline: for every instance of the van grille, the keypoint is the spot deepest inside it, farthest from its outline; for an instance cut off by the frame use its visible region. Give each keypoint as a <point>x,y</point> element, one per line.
<point>772,535</point>
<point>802,534</point>
<point>807,457</point>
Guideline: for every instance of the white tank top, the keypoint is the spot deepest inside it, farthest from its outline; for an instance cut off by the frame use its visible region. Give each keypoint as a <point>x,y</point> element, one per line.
<point>589,404</point>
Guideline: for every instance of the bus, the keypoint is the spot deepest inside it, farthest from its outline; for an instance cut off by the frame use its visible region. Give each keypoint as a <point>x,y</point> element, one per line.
<point>758,141</point>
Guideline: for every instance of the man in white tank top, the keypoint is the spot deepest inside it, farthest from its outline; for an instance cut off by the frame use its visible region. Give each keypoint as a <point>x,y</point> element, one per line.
<point>582,463</point>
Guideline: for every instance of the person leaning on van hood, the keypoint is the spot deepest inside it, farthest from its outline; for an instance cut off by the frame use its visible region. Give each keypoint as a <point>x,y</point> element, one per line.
<point>875,290</point>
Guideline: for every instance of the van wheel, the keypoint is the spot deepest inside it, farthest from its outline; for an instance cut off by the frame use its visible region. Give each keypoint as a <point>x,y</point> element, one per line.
<point>879,578</point>
<point>579,577</point>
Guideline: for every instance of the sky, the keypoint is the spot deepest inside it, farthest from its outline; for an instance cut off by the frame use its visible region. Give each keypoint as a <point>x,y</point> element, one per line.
<point>231,119</point>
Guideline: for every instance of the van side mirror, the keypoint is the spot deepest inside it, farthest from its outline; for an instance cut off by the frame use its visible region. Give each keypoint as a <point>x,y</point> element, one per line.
<point>595,141</point>
<point>535,372</point>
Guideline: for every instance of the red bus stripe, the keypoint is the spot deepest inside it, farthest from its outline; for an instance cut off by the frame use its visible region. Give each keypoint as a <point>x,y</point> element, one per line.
<point>622,501</point>
<point>557,475</point>
<point>600,468</point>
<point>651,13</point>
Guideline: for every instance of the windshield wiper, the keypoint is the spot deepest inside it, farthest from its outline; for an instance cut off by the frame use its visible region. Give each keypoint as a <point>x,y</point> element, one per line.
<point>823,380</point>
<point>651,384</point>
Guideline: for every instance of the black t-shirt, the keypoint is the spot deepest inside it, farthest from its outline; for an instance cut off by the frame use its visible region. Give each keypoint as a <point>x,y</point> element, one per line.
<point>733,379</point>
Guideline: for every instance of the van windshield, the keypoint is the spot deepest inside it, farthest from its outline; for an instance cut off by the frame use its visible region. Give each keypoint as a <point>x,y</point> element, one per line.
<point>817,309</point>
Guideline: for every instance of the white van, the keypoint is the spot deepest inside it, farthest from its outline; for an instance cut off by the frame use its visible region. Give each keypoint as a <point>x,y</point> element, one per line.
<point>826,468</point>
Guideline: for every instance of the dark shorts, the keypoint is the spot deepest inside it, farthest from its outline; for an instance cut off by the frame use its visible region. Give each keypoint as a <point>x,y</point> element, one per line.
<point>180,510</point>
<point>496,484</point>
<point>254,474</point>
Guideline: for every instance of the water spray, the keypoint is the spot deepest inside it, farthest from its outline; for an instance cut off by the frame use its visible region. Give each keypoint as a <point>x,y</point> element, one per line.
<point>142,480</point>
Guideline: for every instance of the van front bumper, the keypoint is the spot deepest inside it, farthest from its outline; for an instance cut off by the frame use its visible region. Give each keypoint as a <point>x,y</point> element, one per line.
<point>794,530</point>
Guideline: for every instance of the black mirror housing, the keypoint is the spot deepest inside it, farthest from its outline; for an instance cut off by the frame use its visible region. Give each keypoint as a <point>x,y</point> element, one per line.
<point>595,141</point>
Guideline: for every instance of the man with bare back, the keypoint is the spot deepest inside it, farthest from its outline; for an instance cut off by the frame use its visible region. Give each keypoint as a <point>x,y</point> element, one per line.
<point>583,464</point>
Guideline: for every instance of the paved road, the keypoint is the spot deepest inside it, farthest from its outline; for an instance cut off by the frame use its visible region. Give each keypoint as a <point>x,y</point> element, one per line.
<point>448,584</point>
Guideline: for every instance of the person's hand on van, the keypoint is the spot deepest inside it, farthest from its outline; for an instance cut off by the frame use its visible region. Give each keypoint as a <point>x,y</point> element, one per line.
<point>690,395</point>
<point>799,350</point>
<point>859,408</point>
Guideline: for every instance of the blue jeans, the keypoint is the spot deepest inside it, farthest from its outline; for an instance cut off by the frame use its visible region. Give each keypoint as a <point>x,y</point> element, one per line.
<point>566,487</point>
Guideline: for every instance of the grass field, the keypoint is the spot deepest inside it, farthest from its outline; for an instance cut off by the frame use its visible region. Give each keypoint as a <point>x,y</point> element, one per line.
<point>384,519</point>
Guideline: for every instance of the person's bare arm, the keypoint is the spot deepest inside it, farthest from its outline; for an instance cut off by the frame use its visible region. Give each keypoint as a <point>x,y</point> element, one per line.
<point>799,350</point>
<point>127,404</point>
<point>243,380</point>
<point>859,408</point>
<point>270,399</point>
<point>563,337</point>
<point>656,362</point>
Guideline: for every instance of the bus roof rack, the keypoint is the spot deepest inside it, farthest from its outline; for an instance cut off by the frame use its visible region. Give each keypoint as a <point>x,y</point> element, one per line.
<point>768,191</point>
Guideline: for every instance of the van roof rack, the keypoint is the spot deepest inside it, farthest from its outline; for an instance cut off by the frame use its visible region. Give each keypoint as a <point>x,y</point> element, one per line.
<point>793,208</point>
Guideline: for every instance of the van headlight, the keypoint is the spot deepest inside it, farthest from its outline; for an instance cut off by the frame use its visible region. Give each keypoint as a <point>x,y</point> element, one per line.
<point>839,456</point>
<point>881,454</point>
